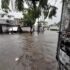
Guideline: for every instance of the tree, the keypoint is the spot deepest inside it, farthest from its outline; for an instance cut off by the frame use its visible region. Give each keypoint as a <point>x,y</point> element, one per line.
<point>29,17</point>
<point>34,9</point>
<point>42,5</point>
<point>19,5</point>
<point>5,4</point>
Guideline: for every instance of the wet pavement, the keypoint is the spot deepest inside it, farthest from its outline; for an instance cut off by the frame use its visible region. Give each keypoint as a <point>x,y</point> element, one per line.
<point>28,51</point>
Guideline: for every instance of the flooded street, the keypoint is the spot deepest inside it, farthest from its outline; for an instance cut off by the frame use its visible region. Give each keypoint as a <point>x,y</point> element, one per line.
<point>28,52</point>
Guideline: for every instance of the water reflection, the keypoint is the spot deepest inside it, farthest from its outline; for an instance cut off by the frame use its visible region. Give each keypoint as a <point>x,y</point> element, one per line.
<point>33,57</point>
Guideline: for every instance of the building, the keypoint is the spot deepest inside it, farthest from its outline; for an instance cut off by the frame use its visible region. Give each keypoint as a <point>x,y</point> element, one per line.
<point>5,22</point>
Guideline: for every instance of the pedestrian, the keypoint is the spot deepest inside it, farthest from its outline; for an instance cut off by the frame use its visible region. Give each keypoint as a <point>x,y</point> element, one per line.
<point>39,26</point>
<point>31,29</point>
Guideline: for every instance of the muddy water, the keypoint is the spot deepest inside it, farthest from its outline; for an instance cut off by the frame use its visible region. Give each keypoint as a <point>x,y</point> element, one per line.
<point>28,51</point>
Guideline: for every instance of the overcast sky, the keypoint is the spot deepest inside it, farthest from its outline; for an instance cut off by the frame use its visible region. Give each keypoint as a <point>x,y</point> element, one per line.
<point>58,4</point>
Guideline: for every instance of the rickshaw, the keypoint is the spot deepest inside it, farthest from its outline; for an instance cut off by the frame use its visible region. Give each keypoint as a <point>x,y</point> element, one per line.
<point>63,47</point>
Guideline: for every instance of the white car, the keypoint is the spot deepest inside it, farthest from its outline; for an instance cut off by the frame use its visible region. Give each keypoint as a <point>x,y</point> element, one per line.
<point>13,29</point>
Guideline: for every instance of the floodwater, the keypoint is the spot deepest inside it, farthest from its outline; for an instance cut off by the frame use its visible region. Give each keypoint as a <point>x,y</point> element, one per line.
<point>28,51</point>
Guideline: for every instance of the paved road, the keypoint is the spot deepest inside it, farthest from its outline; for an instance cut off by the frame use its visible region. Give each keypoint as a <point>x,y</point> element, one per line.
<point>28,52</point>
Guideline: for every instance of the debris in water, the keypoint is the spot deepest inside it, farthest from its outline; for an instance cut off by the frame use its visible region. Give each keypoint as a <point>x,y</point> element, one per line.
<point>16,59</point>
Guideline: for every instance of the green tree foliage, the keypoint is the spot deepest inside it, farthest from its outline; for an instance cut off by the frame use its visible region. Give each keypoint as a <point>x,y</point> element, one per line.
<point>5,4</point>
<point>30,16</point>
<point>43,3</point>
<point>46,8</point>
<point>19,5</point>
<point>35,10</point>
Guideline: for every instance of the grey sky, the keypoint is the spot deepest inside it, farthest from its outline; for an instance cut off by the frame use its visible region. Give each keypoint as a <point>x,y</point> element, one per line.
<point>58,4</point>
